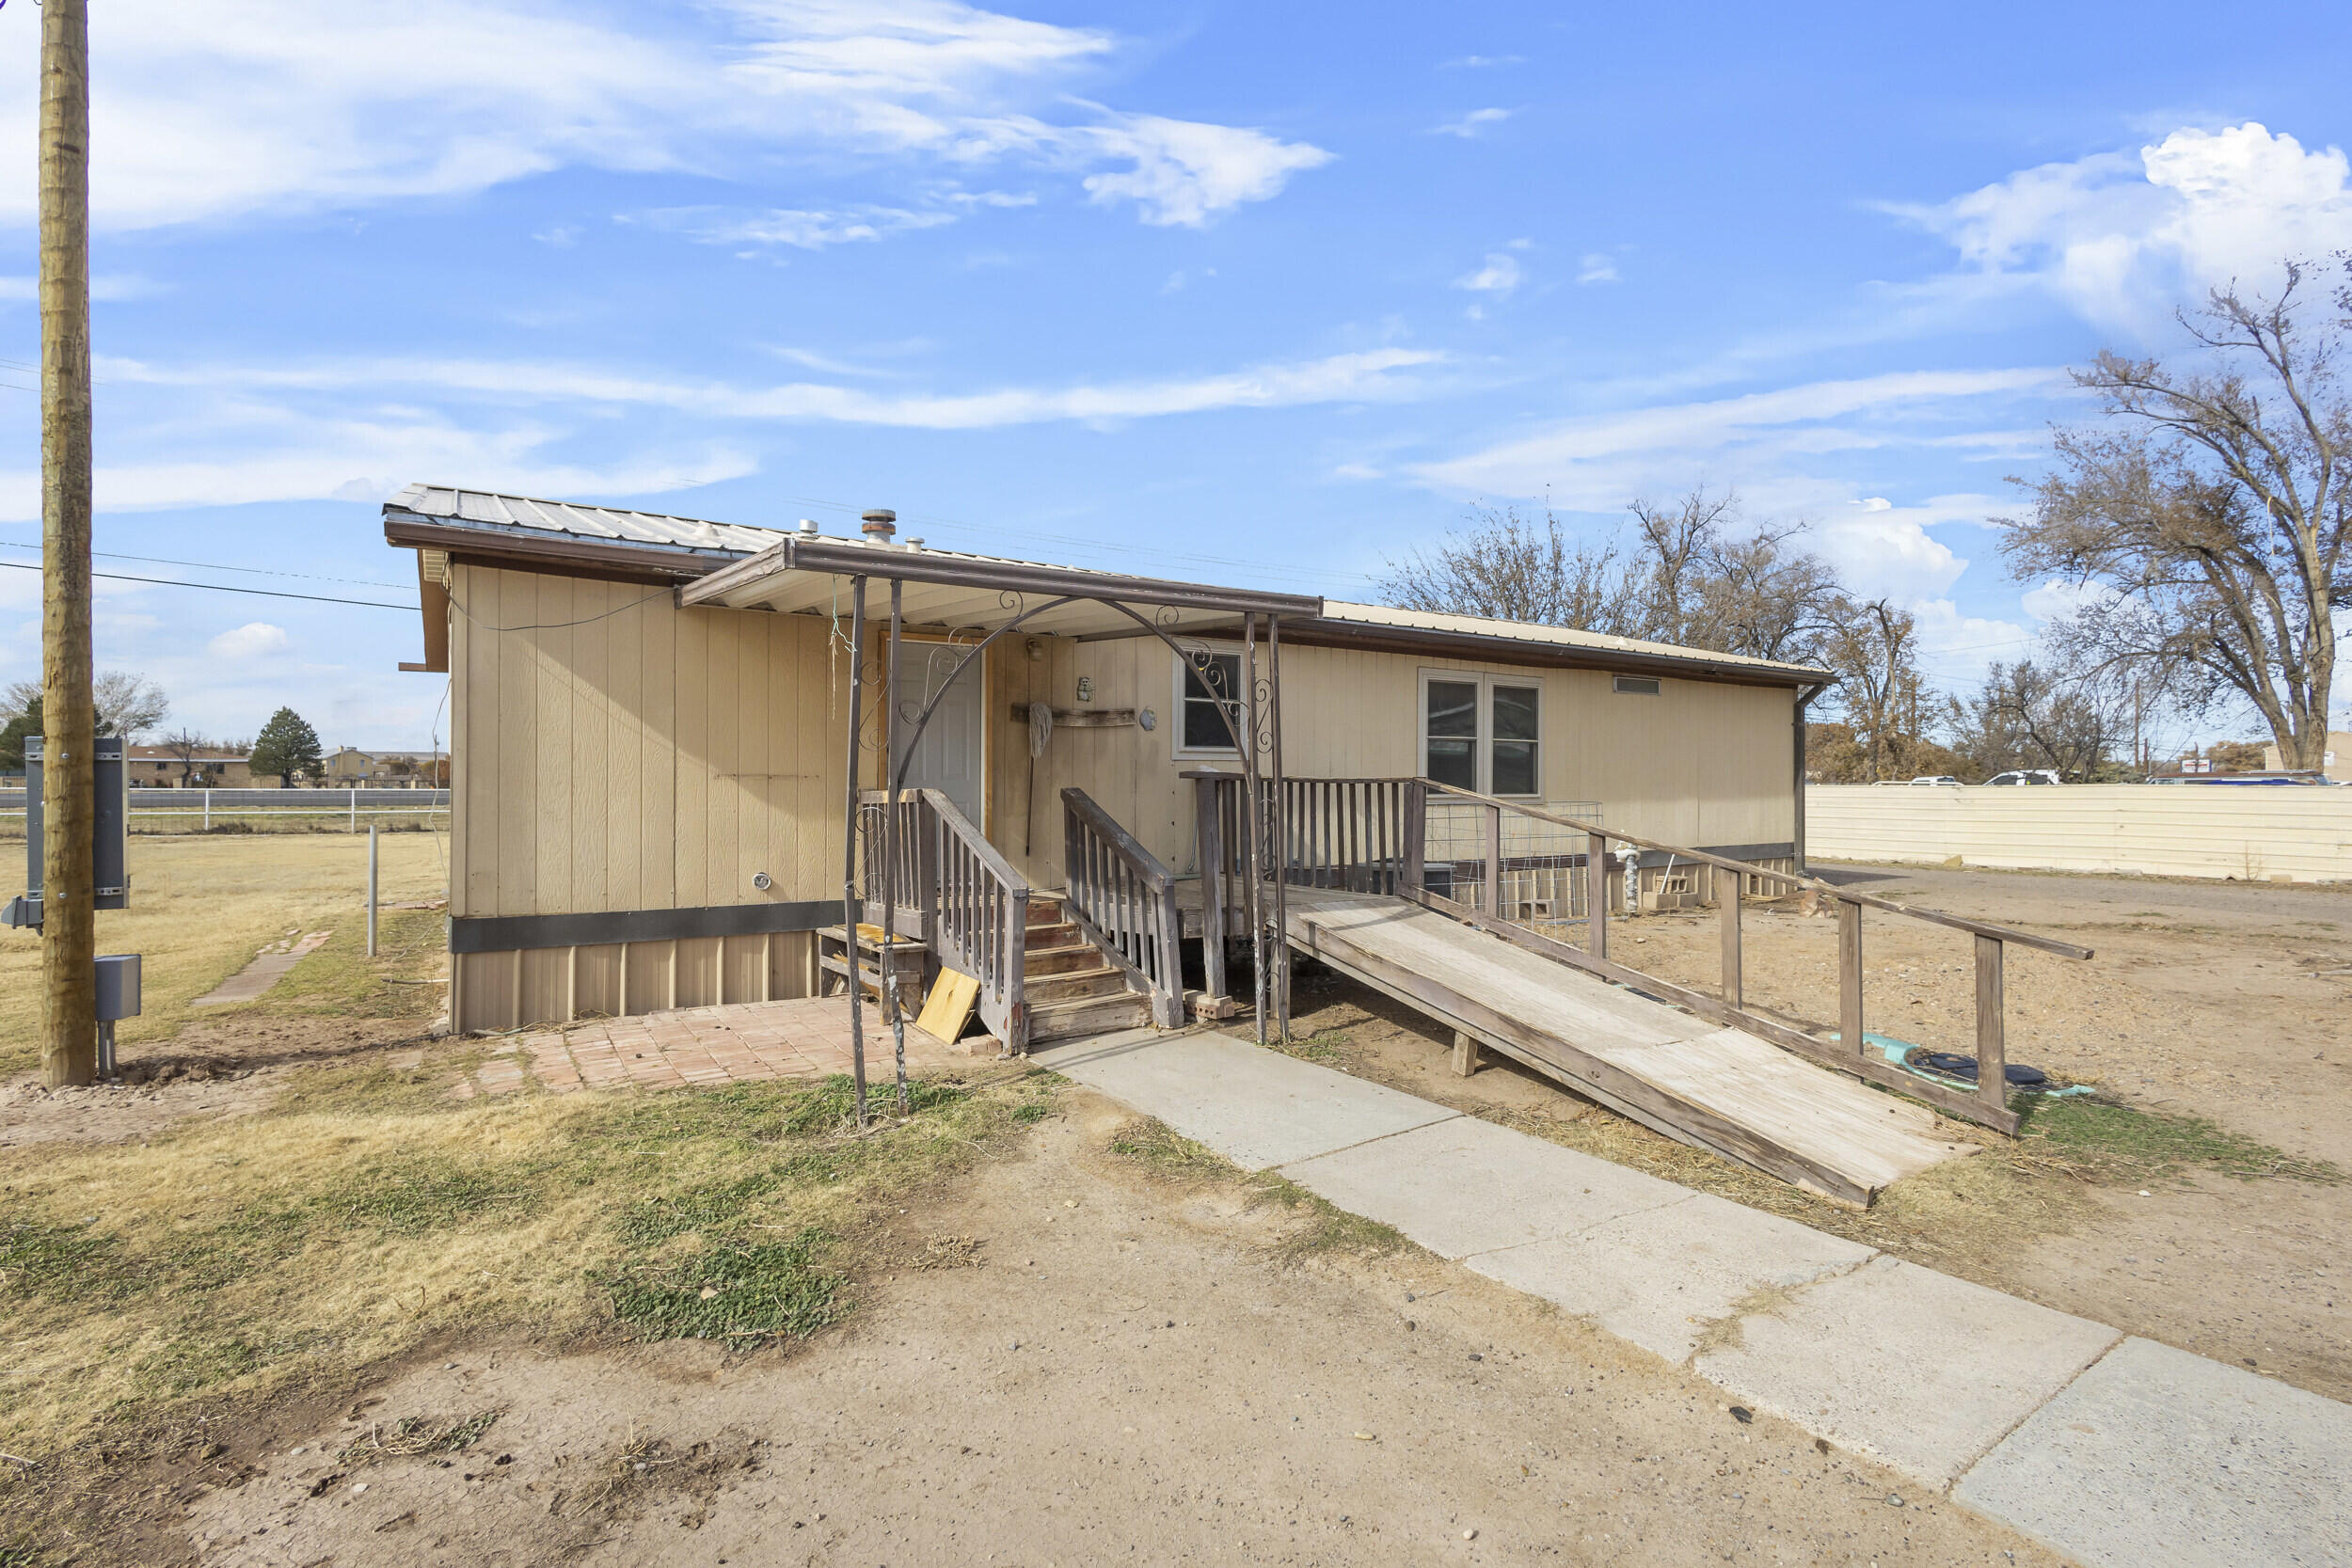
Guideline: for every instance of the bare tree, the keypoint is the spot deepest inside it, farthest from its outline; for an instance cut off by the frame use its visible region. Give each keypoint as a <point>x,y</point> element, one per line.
<point>1873,650</point>
<point>1692,577</point>
<point>2210,518</point>
<point>185,746</point>
<point>2029,715</point>
<point>1515,568</point>
<point>129,704</point>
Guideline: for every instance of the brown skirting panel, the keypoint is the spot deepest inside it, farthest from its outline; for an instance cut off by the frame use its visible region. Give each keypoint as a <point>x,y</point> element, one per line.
<point>517,987</point>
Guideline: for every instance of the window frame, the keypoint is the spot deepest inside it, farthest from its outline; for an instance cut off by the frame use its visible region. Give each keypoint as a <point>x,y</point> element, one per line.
<point>1178,664</point>
<point>1482,747</point>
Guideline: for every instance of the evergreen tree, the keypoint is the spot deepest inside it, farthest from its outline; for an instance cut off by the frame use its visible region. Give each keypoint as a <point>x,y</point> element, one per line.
<point>12,738</point>
<point>287,746</point>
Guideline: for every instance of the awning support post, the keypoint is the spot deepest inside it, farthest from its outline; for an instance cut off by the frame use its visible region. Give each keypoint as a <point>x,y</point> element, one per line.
<point>890,854</point>
<point>852,915</point>
<point>1281,829</point>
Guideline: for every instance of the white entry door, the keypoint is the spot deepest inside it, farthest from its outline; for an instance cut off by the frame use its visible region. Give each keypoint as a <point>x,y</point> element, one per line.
<point>950,752</point>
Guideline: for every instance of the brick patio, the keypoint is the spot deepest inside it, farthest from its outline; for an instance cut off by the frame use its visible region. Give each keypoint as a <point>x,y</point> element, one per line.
<point>806,1038</point>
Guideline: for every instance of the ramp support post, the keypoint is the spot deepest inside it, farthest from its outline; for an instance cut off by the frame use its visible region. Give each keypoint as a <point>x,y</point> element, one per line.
<point>1728,889</point>
<point>1991,1028</point>
<point>1494,862</point>
<point>1416,836</point>
<point>1849,978</point>
<point>1596,893</point>
<point>1465,1055</point>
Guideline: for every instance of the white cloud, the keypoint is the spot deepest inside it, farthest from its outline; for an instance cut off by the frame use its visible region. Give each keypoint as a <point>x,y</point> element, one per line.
<point>803,230</point>
<point>1184,172</point>
<point>1596,268</point>
<point>480,430</point>
<point>1498,277</point>
<point>1472,124</point>
<point>1956,648</point>
<point>204,113</point>
<point>253,640</point>
<point>2122,238</point>
<point>1480,62</point>
<point>1595,462</point>
<point>1340,377</point>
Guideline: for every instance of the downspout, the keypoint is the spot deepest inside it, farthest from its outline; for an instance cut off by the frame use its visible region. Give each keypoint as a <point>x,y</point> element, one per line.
<point>1804,699</point>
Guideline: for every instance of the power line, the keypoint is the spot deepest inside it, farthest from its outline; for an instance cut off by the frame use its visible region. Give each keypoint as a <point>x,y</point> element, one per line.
<point>225,588</point>
<point>221,566</point>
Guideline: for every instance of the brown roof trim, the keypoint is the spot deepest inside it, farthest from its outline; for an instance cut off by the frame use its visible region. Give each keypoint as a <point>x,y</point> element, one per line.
<point>667,566</point>
<point>1324,633</point>
<point>561,555</point>
<point>840,558</point>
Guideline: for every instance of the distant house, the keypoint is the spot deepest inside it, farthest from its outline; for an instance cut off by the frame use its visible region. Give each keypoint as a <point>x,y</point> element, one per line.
<point>2336,762</point>
<point>208,768</point>
<point>349,767</point>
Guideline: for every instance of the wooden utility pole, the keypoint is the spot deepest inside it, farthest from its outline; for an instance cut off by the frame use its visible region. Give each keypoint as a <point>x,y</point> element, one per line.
<point>69,1042</point>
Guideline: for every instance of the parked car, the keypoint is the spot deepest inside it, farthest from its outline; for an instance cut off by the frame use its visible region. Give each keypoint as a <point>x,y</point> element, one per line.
<point>1935,779</point>
<point>2025,776</point>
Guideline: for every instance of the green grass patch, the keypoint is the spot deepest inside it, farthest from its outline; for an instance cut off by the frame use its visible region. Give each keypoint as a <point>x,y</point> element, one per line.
<point>369,1210</point>
<point>339,980</point>
<point>1323,1046</point>
<point>737,1293</point>
<point>2125,1143</point>
<point>38,1257</point>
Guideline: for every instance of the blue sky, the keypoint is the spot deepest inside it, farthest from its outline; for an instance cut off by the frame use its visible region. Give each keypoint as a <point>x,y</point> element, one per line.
<point>1251,292</point>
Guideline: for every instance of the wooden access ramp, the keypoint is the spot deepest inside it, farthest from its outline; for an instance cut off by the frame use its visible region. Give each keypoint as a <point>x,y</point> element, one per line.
<point>1715,1088</point>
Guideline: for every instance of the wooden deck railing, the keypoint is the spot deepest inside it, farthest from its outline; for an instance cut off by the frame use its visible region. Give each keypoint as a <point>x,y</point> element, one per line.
<point>1373,836</point>
<point>1125,901</point>
<point>958,896</point>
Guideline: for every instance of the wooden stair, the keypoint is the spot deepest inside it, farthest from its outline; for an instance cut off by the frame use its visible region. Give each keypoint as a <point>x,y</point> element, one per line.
<point>1073,989</point>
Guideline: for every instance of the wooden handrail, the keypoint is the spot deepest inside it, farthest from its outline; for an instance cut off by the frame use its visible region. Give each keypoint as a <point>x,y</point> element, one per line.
<point>2000,933</point>
<point>1120,894</point>
<point>1330,846</point>
<point>971,905</point>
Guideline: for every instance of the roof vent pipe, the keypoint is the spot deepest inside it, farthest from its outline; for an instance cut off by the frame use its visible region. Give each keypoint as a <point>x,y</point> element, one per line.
<point>808,527</point>
<point>879,525</point>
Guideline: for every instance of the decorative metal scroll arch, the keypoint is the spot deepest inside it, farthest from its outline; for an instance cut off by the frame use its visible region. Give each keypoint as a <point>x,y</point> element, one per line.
<point>1258,709</point>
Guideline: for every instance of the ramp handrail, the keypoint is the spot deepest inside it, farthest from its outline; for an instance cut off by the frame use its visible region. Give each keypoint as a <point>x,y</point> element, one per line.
<point>1372,835</point>
<point>969,905</point>
<point>1124,901</point>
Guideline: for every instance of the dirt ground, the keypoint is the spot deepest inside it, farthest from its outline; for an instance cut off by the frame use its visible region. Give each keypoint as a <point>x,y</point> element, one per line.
<point>1067,1354</point>
<point>1126,1370</point>
<point>2204,999</point>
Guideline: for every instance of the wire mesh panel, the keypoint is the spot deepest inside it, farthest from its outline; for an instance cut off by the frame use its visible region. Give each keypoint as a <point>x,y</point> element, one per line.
<point>1542,882</point>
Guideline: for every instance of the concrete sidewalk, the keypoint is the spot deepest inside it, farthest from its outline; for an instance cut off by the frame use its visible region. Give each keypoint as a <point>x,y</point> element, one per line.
<point>2112,1451</point>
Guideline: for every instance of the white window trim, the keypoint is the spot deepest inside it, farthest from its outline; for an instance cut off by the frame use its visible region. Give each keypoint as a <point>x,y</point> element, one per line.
<point>1178,750</point>
<point>1483,750</point>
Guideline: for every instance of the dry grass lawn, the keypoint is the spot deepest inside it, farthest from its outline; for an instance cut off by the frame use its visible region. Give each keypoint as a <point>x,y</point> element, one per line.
<point>202,906</point>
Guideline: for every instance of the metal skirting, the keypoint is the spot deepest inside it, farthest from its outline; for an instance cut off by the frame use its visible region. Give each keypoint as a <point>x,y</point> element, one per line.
<point>522,932</point>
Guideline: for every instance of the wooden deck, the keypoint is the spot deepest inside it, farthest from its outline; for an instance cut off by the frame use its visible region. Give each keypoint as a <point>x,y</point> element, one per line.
<point>1717,1088</point>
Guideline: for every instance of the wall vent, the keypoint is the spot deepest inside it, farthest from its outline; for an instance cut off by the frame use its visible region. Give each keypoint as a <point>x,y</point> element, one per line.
<point>1638,686</point>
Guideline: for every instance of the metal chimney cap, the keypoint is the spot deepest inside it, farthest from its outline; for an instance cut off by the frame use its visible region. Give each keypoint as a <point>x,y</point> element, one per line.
<point>879,524</point>
<point>808,526</point>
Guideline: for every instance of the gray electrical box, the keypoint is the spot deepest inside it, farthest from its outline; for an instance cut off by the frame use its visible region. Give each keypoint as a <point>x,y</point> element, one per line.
<point>118,986</point>
<point>109,855</point>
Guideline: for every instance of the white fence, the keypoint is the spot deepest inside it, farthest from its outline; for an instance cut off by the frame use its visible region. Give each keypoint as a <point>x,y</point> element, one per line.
<point>2248,832</point>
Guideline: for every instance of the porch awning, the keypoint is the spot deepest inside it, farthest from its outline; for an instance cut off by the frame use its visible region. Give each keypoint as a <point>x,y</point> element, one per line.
<point>952,590</point>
